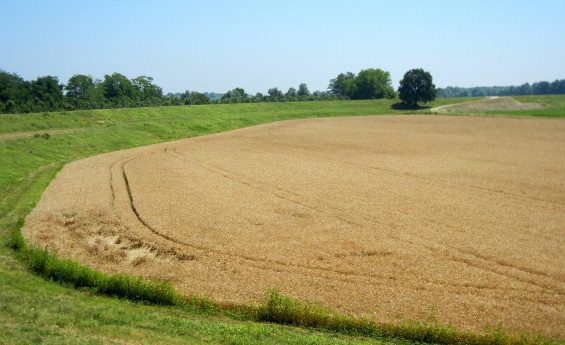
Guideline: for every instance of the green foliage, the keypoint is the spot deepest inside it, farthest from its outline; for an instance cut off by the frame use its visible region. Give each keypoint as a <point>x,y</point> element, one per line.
<point>557,87</point>
<point>368,84</point>
<point>118,90</point>
<point>373,84</point>
<point>284,310</point>
<point>275,95</point>
<point>236,95</point>
<point>16,241</point>
<point>291,93</point>
<point>12,87</point>
<point>416,86</point>
<point>17,95</point>
<point>303,90</point>
<point>80,87</point>
<point>47,93</point>
<point>342,84</point>
<point>147,93</point>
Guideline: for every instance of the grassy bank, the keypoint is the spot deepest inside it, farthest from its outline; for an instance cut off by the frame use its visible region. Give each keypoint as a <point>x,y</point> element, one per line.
<point>33,147</point>
<point>553,106</point>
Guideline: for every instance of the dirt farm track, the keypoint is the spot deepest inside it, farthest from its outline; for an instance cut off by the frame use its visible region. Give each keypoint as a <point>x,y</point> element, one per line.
<point>388,217</point>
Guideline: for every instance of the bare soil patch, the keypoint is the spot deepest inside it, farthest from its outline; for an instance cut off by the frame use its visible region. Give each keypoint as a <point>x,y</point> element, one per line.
<point>489,104</point>
<point>386,217</point>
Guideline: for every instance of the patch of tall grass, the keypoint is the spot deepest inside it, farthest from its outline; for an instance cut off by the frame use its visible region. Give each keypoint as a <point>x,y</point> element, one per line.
<point>281,309</point>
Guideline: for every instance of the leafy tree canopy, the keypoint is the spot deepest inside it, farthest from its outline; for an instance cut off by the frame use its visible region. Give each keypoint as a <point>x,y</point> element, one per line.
<point>12,87</point>
<point>80,87</point>
<point>416,86</point>
<point>291,92</point>
<point>146,90</point>
<point>237,93</point>
<point>194,98</point>
<point>557,87</point>
<point>47,93</point>
<point>368,84</point>
<point>275,94</point>
<point>340,85</point>
<point>118,88</point>
<point>303,90</point>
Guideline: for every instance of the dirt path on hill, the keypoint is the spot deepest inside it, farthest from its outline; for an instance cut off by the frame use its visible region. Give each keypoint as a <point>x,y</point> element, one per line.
<point>486,104</point>
<point>29,134</point>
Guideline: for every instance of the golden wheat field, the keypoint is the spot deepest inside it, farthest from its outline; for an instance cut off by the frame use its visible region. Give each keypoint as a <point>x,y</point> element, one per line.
<point>388,217</point>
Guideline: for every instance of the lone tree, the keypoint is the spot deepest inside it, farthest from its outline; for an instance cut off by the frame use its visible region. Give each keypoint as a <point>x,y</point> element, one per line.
<point>416,86</point>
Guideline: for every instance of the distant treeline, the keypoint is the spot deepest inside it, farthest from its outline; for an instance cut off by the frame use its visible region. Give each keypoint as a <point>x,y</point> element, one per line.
<point>541,88</point>
<point>117,91</point>
<point>238,95</point>
<point>81,92</point>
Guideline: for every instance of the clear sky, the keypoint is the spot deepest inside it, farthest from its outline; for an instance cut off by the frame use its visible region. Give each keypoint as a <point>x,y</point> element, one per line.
<point>218,45</point>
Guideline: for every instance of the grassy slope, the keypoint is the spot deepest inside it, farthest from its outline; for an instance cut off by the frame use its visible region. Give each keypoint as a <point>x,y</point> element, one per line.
<point>33,310</point>
<point>554,106</point>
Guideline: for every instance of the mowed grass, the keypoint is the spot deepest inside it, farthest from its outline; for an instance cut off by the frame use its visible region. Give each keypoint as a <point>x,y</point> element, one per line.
<point>33,310</point>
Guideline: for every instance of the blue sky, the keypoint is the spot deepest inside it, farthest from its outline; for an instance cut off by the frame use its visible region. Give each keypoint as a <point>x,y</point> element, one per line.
<point>219,45</point>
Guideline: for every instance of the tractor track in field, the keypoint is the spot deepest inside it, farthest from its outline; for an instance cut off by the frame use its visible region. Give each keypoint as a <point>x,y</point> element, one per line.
<point>377,216</point>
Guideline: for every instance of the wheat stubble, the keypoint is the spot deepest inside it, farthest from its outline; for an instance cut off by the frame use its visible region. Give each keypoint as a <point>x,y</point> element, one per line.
<point>385,217</point>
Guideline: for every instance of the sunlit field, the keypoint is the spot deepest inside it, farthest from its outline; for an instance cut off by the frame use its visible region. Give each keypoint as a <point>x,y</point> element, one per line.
<point>384,217</point>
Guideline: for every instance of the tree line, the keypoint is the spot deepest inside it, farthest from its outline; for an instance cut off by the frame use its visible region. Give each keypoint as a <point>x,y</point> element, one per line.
<point>556,87</point>
<point>81,92</point>
<point>117,91</point>
<point>238,95</point>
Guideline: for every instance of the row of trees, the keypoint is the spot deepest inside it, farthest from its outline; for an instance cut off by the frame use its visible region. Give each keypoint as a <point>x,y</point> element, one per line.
<point>416,86</point>
<point>238,95</point>
<point>81,92</point>
<point>117,91</point>
<point>556,87</point>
